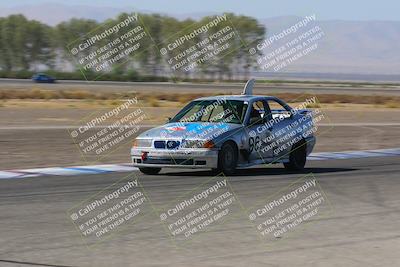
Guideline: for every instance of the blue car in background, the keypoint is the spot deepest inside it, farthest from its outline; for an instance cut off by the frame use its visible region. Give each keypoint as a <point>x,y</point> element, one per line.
<point>43,78</point>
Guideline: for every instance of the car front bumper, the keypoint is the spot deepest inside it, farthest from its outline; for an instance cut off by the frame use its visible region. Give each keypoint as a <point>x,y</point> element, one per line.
<point>201,158</point>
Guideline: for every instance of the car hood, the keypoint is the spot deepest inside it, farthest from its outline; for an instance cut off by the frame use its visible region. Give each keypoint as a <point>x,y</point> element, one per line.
<point>189,130</point>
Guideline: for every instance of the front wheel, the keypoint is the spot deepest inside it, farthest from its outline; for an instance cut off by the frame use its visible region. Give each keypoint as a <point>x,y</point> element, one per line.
<point>227,158</point>
<point>150,171</point>
<point>297,157</point>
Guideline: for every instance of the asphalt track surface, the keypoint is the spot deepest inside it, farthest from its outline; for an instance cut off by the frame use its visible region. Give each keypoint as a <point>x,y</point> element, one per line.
<point>362,228</point>
<point>225,87</point>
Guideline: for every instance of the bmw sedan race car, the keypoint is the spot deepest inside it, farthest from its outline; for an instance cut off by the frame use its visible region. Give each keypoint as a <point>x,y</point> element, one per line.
<point>224,133</point>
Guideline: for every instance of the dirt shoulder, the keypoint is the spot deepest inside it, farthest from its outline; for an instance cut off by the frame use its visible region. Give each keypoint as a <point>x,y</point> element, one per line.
<point>34,133</point>
<point>66,112</point>
<point>35,119</point>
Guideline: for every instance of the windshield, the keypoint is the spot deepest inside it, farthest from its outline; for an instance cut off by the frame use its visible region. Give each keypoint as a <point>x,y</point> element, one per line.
<point>220,110</point>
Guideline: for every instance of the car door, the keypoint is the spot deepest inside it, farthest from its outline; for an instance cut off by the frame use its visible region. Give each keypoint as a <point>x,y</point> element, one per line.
<point>281,132</point>
<point>257,133</point>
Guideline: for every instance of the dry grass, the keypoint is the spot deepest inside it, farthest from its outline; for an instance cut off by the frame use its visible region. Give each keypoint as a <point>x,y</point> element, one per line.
<point>154,102</point>
<point>316,105</point>
<point>56,94</point>
<point>156,99</point>
<point>392,104</point>
<point>341,99</point>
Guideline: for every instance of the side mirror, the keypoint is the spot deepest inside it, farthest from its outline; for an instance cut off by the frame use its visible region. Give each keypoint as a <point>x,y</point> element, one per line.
<point>169,119</point>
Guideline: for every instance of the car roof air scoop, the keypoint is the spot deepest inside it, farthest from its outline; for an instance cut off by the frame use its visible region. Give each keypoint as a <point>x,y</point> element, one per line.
<point>248,88</point>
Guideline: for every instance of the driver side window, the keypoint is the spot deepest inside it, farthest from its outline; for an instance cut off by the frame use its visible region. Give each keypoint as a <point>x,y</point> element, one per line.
<point>258,113</point>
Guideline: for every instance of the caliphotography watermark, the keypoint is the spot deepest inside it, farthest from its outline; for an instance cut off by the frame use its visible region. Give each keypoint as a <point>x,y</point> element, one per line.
<point>281,130</point>
<point>195,213</point>
<point>110,45</point>
<point>288,210</point>
<point>103,132</point>
<point>108,211</point>
<point>284,48</point>
<point>205,42</point>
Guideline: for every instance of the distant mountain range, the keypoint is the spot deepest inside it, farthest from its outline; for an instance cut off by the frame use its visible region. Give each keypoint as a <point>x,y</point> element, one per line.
<point>366,47</point>
<point>349,46</point>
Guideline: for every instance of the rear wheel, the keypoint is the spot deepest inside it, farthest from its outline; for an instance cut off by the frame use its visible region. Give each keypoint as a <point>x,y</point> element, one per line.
<point>297,157</point>
<point>227,158</point>
<point>150,171</point>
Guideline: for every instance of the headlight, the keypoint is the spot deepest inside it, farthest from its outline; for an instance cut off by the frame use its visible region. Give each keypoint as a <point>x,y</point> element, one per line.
<point>197,144</point>
<point>208,144</point>
<point>142,143</point>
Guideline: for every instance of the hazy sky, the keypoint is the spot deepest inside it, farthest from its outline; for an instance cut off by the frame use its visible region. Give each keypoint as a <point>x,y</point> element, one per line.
<point>324,9</point>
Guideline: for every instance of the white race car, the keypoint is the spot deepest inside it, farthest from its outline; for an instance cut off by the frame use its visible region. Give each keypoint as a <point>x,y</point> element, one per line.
<point>228,132</point>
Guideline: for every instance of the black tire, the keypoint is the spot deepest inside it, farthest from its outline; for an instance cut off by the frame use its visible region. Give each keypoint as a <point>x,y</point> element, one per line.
<point>150,171</point>
<point>297,157</point>
<point>227,158</point>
